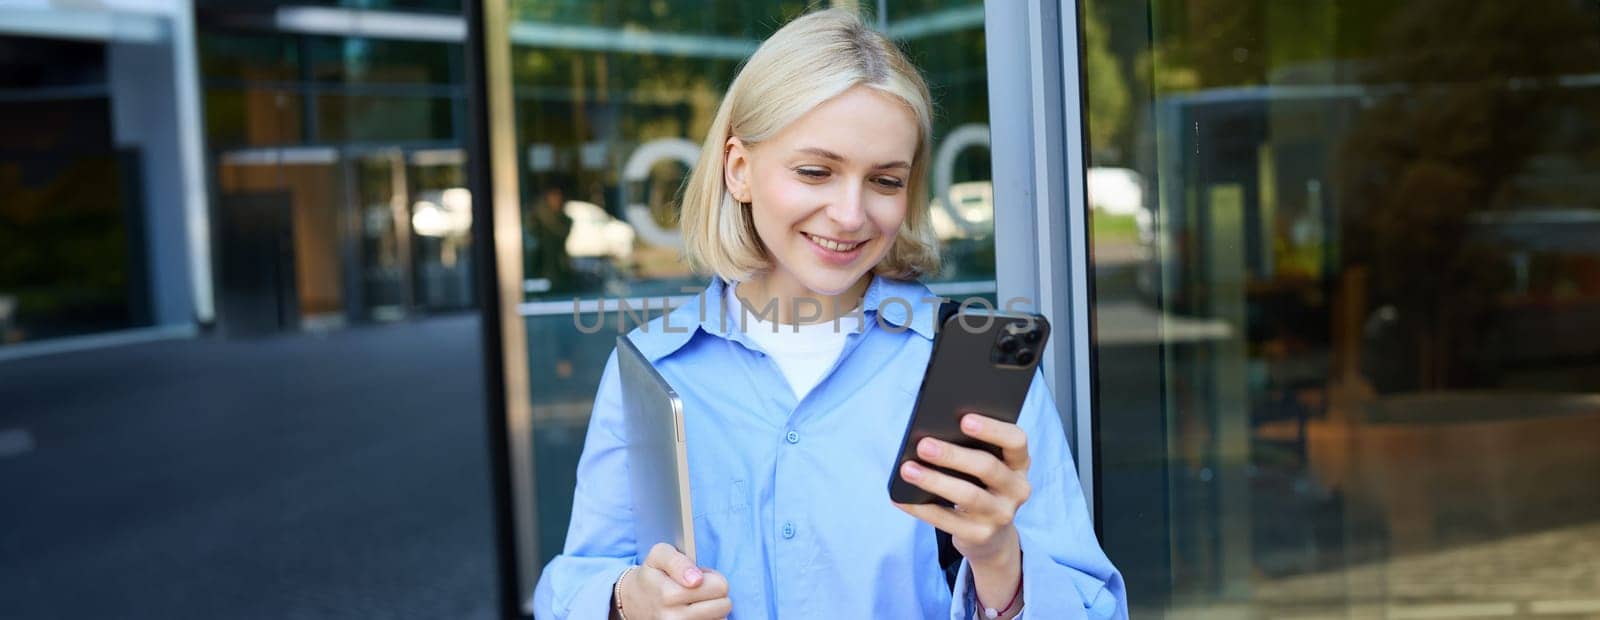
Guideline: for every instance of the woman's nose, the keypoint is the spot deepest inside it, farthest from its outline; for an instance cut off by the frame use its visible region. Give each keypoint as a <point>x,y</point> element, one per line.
<point>847,209</point>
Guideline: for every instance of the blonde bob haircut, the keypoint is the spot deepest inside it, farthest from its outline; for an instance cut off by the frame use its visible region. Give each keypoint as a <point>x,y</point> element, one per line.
<point>809,61</point>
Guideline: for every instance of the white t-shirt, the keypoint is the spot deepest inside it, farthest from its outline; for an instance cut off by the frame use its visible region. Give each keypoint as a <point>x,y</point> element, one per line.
<point>803,352</point>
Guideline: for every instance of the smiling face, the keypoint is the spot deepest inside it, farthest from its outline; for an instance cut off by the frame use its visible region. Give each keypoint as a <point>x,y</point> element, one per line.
<point>828,192</point>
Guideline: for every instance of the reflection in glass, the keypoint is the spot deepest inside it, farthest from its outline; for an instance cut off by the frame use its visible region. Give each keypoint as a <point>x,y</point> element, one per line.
<point>1347,267</point>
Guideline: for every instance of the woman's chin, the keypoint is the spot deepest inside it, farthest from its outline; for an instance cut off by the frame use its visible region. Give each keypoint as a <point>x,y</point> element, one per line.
<point>824,279</point>
<point>830,284</point>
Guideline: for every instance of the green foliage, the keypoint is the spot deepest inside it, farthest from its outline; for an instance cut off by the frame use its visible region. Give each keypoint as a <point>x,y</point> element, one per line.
<point>63,243</point>
<point>1113,228</point>
<point>1107,90</point>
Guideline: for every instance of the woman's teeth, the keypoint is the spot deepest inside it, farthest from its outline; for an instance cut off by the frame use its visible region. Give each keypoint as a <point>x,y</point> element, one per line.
<point>832,245</point>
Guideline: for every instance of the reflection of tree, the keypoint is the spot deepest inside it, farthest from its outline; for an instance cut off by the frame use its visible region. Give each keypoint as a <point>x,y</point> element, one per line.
<point>1106,90</point>
<point>1473,82</point>
<point>757,19</point>
<point>1206,44</point>
<point>953,64</point>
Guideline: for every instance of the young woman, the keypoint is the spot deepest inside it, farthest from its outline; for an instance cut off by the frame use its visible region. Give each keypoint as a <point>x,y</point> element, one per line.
<point>798,367</point>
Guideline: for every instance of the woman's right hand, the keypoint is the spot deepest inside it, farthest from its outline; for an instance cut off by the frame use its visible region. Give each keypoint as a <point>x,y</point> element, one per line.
<point>670,587</point>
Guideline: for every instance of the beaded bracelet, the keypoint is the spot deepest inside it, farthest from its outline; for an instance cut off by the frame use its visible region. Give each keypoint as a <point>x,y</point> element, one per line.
<point>990,612</point>
<point>616,593</point>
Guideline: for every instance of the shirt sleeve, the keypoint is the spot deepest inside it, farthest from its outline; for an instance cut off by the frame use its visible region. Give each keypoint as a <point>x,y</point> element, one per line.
<point>577,584</point>
<point>1065,573</point>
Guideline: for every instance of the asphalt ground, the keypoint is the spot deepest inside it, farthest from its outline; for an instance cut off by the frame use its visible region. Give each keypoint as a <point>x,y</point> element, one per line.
<point>311,475</point>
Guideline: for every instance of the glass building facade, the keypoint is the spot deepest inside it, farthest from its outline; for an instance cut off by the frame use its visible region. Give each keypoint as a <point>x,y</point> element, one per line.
<point>1325,277</point>
<point>1345,291</point>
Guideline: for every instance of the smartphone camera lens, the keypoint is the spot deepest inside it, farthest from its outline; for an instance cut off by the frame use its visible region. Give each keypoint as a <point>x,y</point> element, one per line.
<point>1008,344</point>
<point>1032,336</point>
<point>1024,357</point>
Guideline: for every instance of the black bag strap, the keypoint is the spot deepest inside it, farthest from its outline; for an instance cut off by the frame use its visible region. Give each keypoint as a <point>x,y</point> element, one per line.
<point>949,558</point>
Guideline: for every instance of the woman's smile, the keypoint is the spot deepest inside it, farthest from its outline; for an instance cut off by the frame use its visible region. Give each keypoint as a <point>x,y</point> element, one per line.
<point>835,251</point>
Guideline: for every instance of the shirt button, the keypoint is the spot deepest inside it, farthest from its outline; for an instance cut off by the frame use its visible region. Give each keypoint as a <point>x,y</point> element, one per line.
<point>793,437</point>
<point>788,530</point>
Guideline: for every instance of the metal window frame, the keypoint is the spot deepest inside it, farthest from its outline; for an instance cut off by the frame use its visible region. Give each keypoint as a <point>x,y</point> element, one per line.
<point>497,260</point>
<point>1036,115</point>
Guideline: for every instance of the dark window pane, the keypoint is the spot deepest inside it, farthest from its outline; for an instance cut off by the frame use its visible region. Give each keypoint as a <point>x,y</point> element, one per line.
<point>360,61</point>
<point>408,6</point>
<point>384,118</point>
<point>253,117</point>
<point>235,56</point>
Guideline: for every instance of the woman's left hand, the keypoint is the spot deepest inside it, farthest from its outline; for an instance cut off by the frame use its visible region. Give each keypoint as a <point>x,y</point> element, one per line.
<point>981,523</point>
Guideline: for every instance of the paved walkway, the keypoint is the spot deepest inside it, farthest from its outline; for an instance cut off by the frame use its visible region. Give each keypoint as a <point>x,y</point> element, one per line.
<point>1549,575</point>
<point>303,476</point>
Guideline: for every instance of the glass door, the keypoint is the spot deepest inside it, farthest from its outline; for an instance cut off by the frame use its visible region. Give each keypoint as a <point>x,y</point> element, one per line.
<point>441,228</point>
<point>299,192</point>
<point>382,215</point>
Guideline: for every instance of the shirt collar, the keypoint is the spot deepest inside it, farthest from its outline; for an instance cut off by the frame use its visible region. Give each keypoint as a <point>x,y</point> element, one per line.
<point>903,304</point>
<point>894,304</point>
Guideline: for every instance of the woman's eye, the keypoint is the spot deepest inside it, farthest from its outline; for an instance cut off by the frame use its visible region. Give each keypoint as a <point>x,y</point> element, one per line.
<point>890,182</point>
<point>813,173</point>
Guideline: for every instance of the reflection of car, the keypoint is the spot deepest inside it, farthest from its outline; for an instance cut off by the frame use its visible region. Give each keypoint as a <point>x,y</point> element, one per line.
<point>595,233</point>
<point>442,213</point>
<point>1116,191</point>
<point>1120,191</point>
<point>973,202</point>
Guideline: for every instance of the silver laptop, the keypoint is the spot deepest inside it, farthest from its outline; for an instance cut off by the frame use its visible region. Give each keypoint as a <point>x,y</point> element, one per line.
<point>658,461</point>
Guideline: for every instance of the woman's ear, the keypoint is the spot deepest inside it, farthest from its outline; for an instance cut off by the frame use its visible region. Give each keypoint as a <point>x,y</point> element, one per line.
<point>736,169</point>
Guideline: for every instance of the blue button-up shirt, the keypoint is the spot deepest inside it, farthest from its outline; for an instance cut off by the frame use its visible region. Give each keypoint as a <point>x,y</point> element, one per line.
<point>791,498</point>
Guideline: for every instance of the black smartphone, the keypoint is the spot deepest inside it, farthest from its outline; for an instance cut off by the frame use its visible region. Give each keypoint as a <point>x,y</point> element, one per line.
<point>982,362</point>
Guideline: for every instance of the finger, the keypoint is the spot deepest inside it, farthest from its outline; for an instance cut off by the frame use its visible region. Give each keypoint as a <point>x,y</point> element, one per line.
<point>713,609</point>
<point>972,498</point>
<point>994,473</point>
<point>713,587</point>
<point>669,560</point>
<point>1010,438</point>
<point>667,590</point>
<point>943,518</point>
